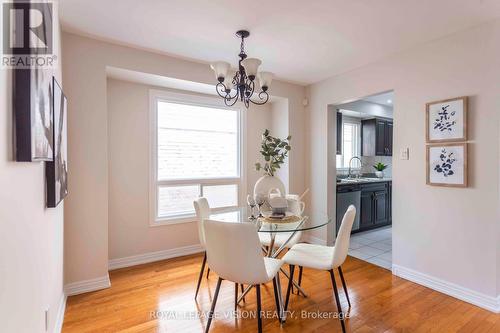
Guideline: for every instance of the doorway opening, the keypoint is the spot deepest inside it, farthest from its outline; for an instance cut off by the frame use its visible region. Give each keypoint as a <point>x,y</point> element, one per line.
<point>364,149</point>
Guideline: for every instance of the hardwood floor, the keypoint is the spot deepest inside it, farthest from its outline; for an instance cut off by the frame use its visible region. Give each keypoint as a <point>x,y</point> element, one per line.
<point>159,297</point>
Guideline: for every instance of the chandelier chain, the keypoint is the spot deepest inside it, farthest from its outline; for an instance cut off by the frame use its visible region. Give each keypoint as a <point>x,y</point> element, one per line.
<point>242,45</point>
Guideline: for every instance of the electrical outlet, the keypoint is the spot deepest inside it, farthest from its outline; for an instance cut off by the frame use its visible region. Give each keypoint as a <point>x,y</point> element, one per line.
<point>404,153</point>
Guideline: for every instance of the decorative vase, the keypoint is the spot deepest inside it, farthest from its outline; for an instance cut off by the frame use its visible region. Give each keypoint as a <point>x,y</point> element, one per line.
<point>379,174</point>
<point>266,183</point>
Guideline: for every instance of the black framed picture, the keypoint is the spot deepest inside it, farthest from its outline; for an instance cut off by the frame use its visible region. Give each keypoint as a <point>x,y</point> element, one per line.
<point>57,169</point>
<point>33,115</point>
<point>32,84</point>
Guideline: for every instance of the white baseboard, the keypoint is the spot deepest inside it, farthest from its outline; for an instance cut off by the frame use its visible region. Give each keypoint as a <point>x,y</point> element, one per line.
<point>313,240</point>
<point>86,286</point>
<point>154,256</point>
<point>470,296</point>
<point>60,314</point>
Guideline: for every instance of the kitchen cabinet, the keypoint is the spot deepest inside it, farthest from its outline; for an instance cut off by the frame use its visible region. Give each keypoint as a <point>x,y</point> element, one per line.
<point>375,205</point>
<point>376,137</point>
<point>388,136</point>
<point>380,204</point>
<point>339,133</point>
<point>373,202</point>
<point>366,215</point>
<point>389,202</point>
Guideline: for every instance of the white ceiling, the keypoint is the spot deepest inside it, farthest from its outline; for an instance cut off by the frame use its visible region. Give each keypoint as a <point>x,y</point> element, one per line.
<point>300,41</point>
<point>386,99</point>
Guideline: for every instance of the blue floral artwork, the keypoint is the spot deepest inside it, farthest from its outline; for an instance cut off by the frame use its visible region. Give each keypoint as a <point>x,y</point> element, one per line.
<point>445,167</point>
<point>444,121</point>
<point>447,120</point>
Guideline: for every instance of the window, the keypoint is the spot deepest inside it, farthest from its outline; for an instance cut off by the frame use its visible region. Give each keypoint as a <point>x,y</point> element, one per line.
<point>196,151</point>
<point>351,144</point>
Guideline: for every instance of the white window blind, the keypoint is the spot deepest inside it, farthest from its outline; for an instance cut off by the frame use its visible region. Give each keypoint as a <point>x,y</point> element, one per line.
<point>196,142</point>
<point>196,153</point>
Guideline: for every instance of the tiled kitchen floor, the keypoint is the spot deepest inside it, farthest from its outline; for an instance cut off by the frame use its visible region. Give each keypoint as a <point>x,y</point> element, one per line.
<point>373,246</point>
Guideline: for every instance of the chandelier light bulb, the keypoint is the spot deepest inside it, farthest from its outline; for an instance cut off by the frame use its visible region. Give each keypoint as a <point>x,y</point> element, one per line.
<point>220,68</point>
<point>251,66</point>
<point>265,79</point>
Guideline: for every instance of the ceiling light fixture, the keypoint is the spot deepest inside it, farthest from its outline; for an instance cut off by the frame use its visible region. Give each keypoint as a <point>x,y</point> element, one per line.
<point>389,101</point>
<point>242,81</point>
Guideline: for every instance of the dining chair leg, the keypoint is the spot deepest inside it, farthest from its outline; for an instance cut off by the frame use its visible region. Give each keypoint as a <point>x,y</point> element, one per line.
<point>208,271</point>
<point>337,300</point>
<point>201,274</point>
<point>242,291</point>
<point>276,299</point>
<point>343,285</point>
<point>300,278</point>
<point>259,308</point>
<point>292,268</point>
<point>212,308</point>
<point>235,296</point>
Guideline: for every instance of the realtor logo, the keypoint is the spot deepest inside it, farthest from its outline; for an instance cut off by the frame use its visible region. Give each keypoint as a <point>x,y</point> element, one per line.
<point>27,34</point>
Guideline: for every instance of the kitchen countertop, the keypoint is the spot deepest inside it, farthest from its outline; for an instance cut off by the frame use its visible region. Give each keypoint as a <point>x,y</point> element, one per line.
<point>363,181</point>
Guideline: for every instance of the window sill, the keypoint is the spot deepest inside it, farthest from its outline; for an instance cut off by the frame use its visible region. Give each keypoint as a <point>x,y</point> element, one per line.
<point>159,222</point>
<point>163,221</point>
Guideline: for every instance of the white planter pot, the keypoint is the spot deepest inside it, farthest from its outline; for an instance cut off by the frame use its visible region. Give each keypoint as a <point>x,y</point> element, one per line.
<point>266,183</point>
<point>379,174</point>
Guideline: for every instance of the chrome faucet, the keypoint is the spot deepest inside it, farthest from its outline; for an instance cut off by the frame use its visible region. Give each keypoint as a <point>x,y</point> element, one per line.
<point>360,162</point>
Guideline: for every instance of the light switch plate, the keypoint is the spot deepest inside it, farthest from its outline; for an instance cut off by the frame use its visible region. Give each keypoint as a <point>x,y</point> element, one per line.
<point>404,153</point>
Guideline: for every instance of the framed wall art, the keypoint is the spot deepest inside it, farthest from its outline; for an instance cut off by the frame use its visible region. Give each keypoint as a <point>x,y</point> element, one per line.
<point>57,170</point>
<point>446,120</point>
<point>447,164</point>
<point>33,115</point>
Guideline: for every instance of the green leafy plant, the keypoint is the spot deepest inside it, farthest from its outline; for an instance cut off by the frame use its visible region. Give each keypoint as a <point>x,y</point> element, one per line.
<point>274,150</point>
<point>380,166</point>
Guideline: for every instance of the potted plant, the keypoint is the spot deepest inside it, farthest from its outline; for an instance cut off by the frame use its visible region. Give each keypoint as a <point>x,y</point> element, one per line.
<point>274,151</point>
<point>380,167</point>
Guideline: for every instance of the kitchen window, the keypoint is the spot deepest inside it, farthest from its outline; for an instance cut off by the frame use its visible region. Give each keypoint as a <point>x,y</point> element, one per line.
<point>351,144</point>
<point>195,151</point>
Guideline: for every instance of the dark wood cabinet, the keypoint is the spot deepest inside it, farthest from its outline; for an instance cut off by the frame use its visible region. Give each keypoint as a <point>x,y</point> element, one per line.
<point>380,204</point>
<point>376,137</point>
<point>375,205</point>
<point>389,201</point>
<point>380,147</point>
<point>339,133</point>
<point>366,216</point>
<point>388,137</point>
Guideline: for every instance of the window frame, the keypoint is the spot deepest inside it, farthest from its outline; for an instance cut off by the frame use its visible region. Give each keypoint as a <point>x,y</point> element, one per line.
<point>154,184</point>
<point>356,122</point>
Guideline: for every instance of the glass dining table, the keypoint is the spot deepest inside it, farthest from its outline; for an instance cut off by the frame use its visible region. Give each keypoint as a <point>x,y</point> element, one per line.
<point>287,227</point>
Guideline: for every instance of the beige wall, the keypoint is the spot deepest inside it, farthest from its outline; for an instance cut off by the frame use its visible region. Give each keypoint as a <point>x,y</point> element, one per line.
<point>280,128</point>
<point>129,169</point>
<point>446,233</point>
<point>31,236</point>
<point>86,210</point>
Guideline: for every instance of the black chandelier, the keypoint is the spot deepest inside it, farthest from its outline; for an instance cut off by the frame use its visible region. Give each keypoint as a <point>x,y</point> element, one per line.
<point>240,84</point>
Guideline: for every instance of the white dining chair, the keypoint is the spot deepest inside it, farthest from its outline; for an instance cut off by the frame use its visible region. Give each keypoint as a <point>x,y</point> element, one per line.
<point>202,210</point>
<point>234,253</point>
<point>324,258</point>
